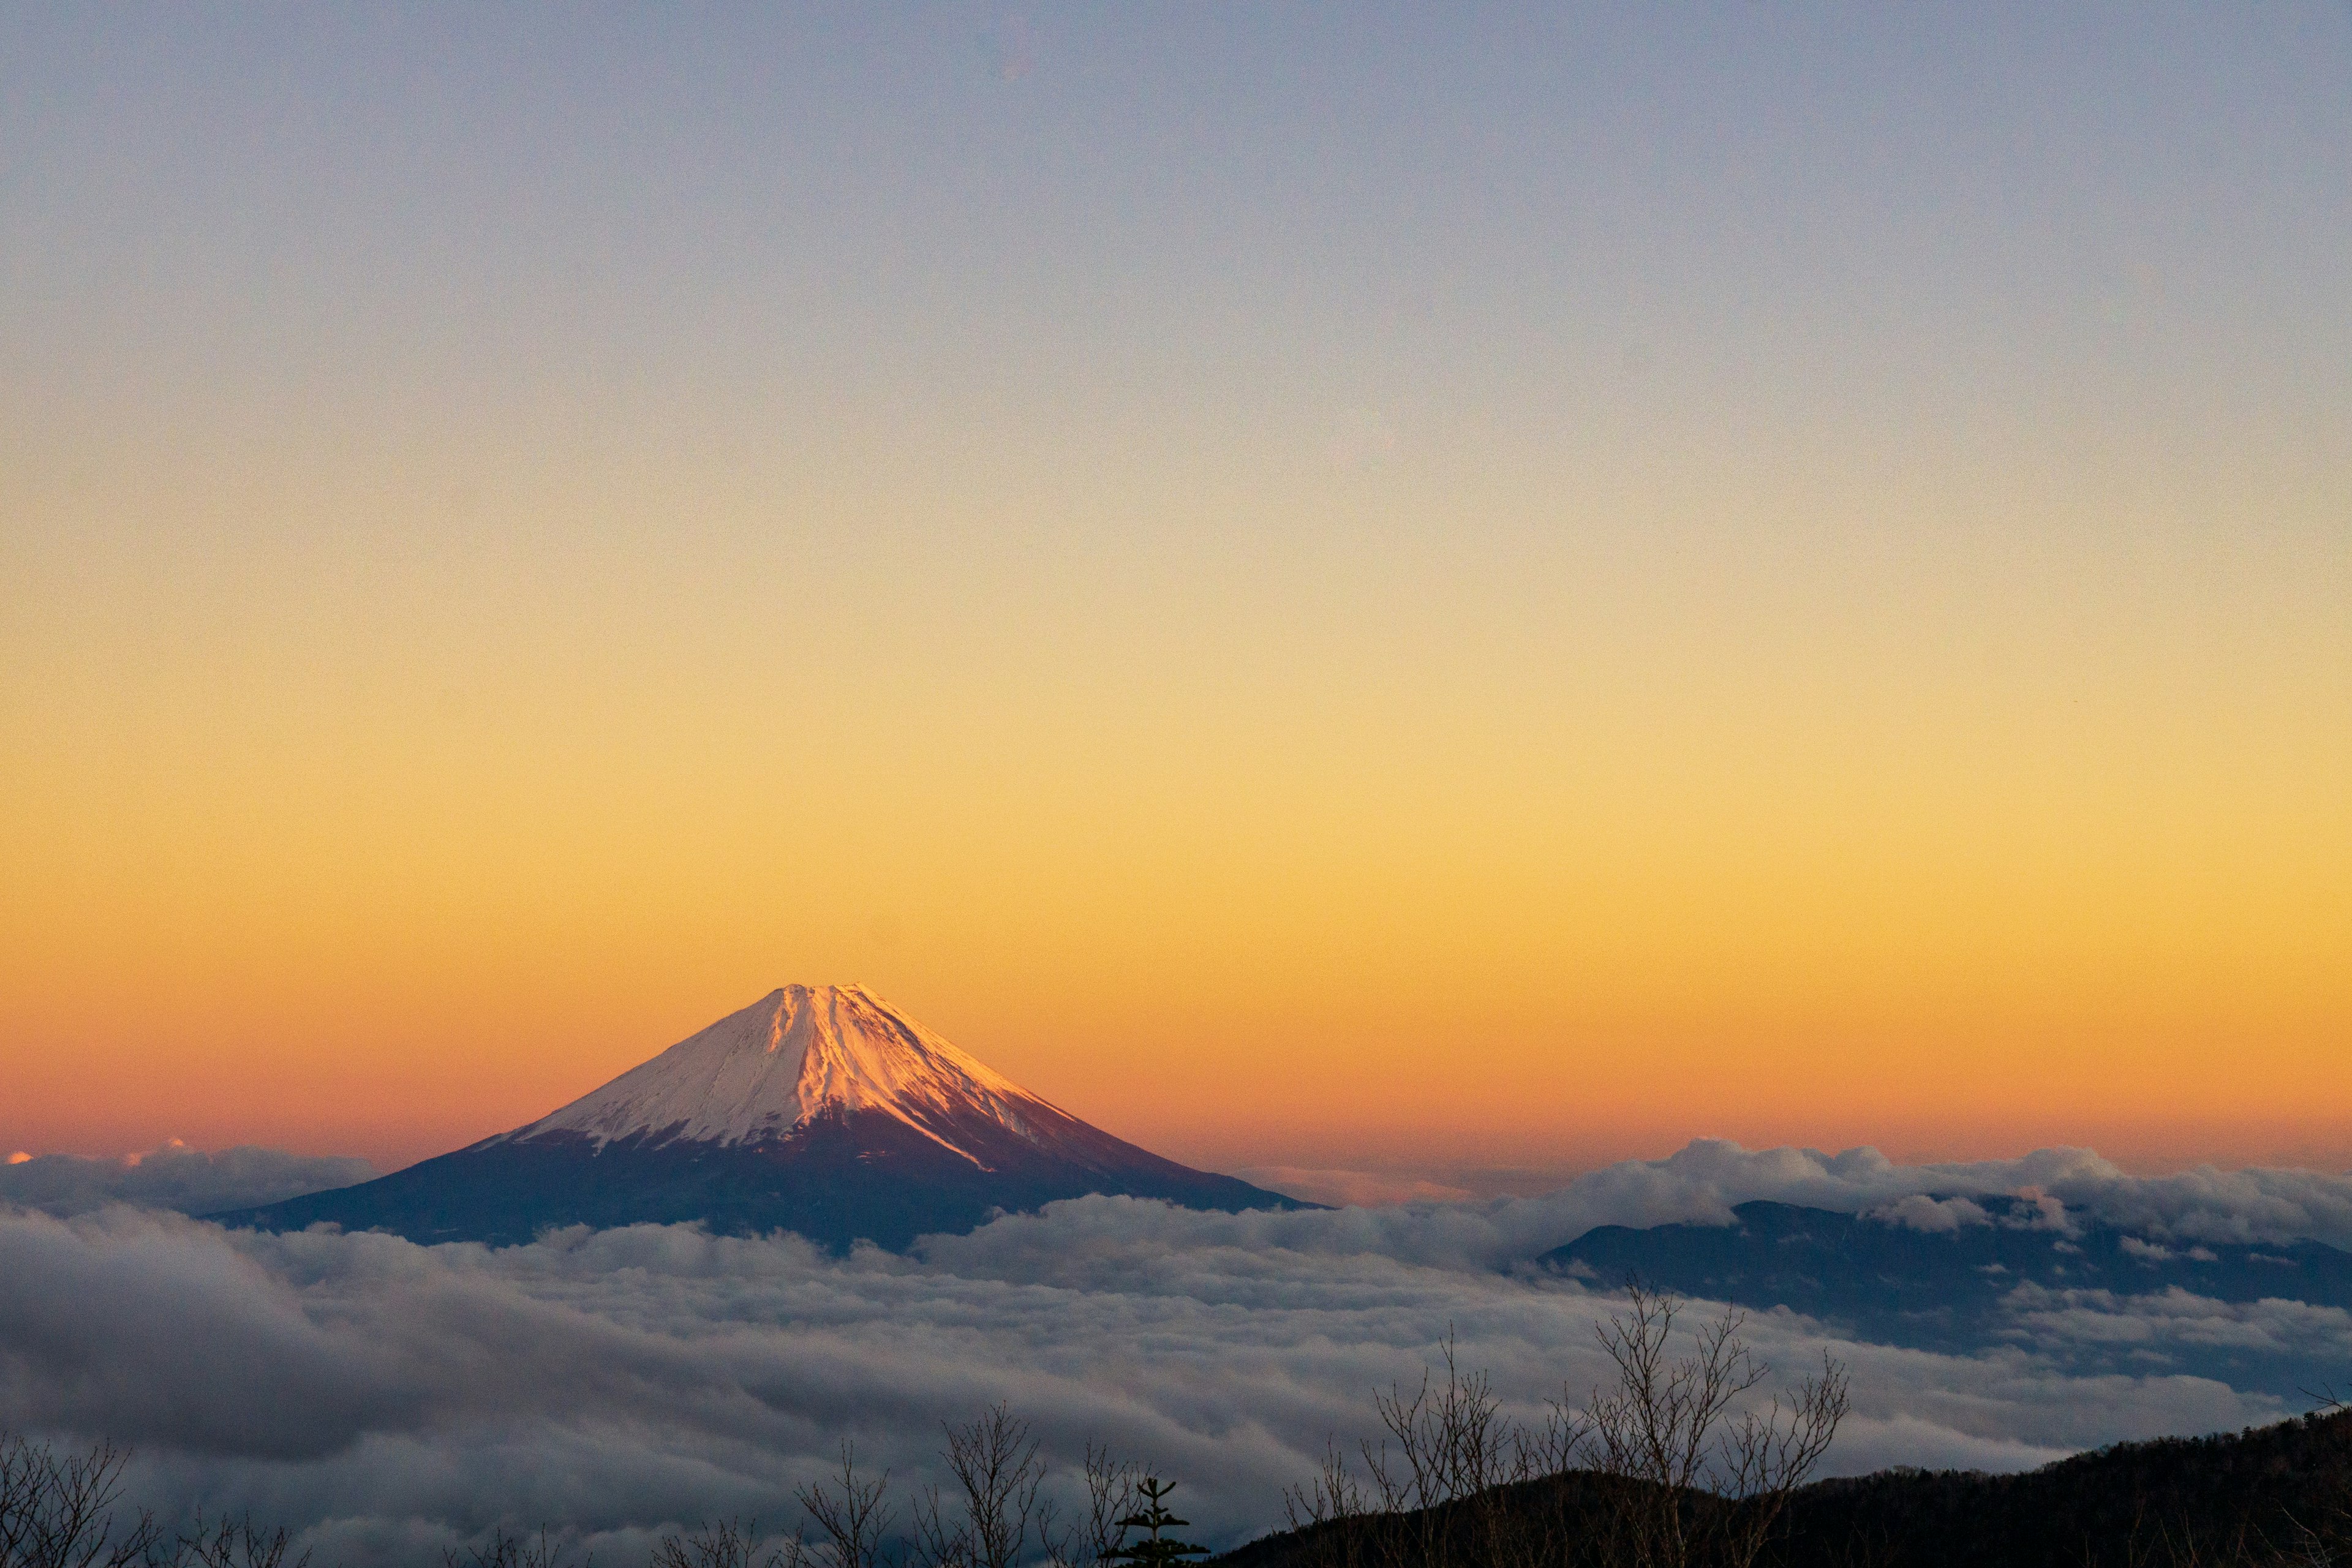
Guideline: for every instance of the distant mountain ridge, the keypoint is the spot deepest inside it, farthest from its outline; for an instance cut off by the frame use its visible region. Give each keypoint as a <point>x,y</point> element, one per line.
<point>1957,1274</point>
<point>819,1109</point>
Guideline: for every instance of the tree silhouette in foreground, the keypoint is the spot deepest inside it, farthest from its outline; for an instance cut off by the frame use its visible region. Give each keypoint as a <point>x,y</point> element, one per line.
<point>1667,1436</point>
<point>1155,1550</point>
<point>1673,1466</point>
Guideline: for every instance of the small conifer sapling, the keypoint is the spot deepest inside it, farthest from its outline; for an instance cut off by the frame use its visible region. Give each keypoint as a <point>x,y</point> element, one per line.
<point>1155,1550</point>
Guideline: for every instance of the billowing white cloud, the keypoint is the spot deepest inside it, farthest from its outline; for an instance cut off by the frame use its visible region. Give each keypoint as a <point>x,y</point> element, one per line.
<point>1933,1216</point>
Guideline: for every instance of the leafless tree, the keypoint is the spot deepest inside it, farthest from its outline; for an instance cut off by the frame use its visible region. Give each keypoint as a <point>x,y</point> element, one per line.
<point>730,1544</point>
<point>994,1460</point>
<point>505,1551</point>
<point>1332,1514</point>
<point>1451,1442</point>
<point>1433,1489</point>
<point>1090,1536</point>
<point>2155,1543</point>
<point>1452,1448</point>
<point>1673,1449</point>
<point>1670,1467</point>
<point>56,1511</point>
<point>853,1517</point>
<point>228,1543</point>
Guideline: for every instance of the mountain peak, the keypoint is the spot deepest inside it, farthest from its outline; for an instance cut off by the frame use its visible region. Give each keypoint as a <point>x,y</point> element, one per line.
<point>794,1055</point>
<point>818,1109</point>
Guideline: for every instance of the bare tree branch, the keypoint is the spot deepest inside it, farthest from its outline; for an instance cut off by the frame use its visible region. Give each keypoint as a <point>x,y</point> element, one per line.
<point>730,1544</point>
<point>853,1519</point>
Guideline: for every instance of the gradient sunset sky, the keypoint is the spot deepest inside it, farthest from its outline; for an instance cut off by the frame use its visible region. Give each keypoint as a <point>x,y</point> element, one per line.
<point>1319,586</point>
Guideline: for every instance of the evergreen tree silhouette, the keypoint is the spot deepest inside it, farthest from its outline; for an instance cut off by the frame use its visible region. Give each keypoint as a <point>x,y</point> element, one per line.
<point>1155,1551</point>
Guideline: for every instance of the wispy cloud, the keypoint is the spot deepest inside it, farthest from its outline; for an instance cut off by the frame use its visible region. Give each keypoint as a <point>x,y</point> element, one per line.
<point>2176,1319</point>
<point>1358,1189</point>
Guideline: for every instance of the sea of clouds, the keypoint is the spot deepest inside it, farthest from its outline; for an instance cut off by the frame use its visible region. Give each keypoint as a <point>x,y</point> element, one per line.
<point>388,1399</point>
<point>175,1177</point>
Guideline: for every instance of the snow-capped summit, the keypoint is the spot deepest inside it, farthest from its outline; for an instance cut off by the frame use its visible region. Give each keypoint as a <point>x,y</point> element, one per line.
<point>818,1109</point>
<point>796,1053</point>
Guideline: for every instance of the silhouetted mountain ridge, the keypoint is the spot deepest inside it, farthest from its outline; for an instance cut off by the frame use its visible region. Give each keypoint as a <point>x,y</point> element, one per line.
<point>2275,1494</point>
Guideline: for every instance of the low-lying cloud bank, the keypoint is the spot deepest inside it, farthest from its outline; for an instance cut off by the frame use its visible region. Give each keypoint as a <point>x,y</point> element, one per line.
<point>388,1399</point>
<point>173,1177</point>
<point>1699,1185</point>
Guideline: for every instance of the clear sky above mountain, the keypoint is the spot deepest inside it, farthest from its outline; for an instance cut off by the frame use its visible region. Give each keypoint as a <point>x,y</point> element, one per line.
<point>1513,585</point>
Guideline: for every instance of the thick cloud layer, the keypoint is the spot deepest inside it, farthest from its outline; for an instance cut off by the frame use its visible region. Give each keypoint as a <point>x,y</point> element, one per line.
<point>387,1398</point>
<point>173,1177</point>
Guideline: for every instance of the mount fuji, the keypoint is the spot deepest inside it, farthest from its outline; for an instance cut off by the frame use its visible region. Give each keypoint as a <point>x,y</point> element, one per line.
<point>820,1109</point>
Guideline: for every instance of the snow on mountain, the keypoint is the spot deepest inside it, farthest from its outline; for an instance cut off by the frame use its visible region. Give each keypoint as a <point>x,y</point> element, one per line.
<point>799,1051</point>
<point>819,1108</point>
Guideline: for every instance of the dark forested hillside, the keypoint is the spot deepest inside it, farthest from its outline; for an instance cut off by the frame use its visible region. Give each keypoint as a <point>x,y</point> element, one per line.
<point>2262,1495</point>
<point>2274,1495</point>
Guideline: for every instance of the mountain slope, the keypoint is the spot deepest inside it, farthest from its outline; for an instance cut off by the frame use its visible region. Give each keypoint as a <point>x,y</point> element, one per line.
<point>819,1109</point>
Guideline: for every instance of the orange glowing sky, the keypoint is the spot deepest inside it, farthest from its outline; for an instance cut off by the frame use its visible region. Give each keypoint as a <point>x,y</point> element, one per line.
<point>1320,594</point>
